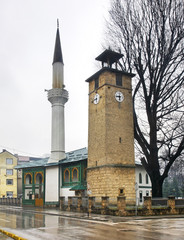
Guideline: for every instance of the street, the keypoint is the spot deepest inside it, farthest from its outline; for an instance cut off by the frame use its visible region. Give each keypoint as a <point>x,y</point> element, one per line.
<point>44,225</point>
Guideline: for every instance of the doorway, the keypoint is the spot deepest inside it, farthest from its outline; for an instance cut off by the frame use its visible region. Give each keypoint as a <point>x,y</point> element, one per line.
<point>39,189</point>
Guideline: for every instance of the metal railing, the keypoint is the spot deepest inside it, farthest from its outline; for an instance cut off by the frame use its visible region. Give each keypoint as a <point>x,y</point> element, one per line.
<point>11,201</point>
<point>159,202</point>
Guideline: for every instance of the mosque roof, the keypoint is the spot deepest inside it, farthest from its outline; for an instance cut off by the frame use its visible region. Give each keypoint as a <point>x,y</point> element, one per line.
<point>73,156</point>
<point>38,163</point>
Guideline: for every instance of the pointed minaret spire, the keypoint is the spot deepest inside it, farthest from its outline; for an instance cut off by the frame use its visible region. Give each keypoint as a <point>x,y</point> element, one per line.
<point>58,65</point>
<point>57,50</point>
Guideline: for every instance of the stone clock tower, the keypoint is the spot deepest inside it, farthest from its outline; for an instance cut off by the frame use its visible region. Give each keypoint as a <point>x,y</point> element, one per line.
<point>111,164</point>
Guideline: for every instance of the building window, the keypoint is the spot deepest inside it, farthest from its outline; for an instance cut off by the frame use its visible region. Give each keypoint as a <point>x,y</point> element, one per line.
<point>9,194</point>
<point>9,171</point>
<point>28,193</point>
<point>96,83</point>
<point>9,181</point>
<point>28,178</point>
<point>140,178</point>
<point>75,175</point>
<point>147,193</point>
<point>19,173</point>
<point>39,178</point>
<point>66,176</point>
<point>147,179</point>
<point>121,192</point>
<point>119,79</point>
<point>140,196</point>
<point>9,161</point>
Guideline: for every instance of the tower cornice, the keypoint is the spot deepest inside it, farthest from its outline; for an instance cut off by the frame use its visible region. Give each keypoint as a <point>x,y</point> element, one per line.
<point>107,69</point>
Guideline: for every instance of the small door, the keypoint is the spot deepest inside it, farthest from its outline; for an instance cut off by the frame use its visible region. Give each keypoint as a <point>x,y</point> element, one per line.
<point>38,202</point>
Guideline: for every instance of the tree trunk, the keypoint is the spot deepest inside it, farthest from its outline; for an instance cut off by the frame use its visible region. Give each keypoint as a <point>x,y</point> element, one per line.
<point>157,188</point>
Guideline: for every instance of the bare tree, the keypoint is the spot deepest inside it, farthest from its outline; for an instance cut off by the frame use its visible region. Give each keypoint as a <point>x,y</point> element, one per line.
<point>150,34</point>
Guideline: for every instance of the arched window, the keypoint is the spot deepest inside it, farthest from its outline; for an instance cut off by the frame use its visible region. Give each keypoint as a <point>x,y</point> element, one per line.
<point>38,178</point>
<point>28,178</point>
<point>140,178</point>
<point>66,175</point>
<point>147,179</point>
<point>75,175</point>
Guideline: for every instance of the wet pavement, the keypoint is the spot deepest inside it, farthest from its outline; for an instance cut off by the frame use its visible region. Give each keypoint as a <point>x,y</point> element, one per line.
<point>4,237</point>
<point>33,223</point>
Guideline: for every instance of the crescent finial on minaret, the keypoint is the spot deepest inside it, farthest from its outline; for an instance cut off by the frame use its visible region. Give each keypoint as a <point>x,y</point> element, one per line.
<point>57,23</point>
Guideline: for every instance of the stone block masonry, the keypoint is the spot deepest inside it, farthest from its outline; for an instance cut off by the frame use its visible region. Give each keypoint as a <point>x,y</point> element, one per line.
<point>112,181</point>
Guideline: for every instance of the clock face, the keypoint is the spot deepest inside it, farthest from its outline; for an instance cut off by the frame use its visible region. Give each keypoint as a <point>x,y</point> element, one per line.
<point>96,98</point>
<point>119,96</point>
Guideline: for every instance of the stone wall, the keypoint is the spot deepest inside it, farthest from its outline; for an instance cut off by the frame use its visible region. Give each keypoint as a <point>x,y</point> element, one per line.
<point>112,181</point>
<point>121,208</point>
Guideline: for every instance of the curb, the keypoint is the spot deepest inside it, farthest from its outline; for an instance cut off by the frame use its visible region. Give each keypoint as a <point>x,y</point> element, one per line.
<point>94,218</point>
<point>11,235</point>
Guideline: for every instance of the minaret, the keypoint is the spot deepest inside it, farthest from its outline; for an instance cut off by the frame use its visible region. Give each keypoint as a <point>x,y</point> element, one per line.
<point>57,96</point>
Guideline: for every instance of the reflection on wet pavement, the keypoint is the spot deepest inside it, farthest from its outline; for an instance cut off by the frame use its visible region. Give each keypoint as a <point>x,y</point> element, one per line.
<point>44,226</point>
<point>4,237</point>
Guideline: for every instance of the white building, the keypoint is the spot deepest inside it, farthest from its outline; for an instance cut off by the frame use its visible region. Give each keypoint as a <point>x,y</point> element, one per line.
<point>143,183</point>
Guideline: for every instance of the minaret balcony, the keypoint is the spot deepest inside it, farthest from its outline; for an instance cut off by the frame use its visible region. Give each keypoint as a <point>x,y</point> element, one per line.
<point>57,95</point>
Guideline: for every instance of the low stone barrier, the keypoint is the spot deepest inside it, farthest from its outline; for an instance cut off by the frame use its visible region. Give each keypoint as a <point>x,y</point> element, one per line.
<point>105,207</point>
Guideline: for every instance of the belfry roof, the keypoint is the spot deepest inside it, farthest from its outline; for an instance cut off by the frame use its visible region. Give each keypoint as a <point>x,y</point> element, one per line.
<point>109,56</point>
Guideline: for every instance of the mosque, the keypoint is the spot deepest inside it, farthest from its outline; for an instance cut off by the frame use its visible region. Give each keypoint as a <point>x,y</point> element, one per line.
<point>107,167</point>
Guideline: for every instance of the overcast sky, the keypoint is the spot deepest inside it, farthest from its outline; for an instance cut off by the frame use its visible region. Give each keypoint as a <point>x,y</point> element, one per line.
<point>27,38</point>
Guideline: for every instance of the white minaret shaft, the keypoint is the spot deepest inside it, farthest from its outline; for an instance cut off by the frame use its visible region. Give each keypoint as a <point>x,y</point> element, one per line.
<point>57,96</point>
<point>58,73</point>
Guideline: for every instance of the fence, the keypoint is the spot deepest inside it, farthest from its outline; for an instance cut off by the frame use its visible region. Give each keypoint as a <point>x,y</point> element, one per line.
<point>159,202</point>
<point>11,201</point>
<point>119,206</point>
<point>123,207</point>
